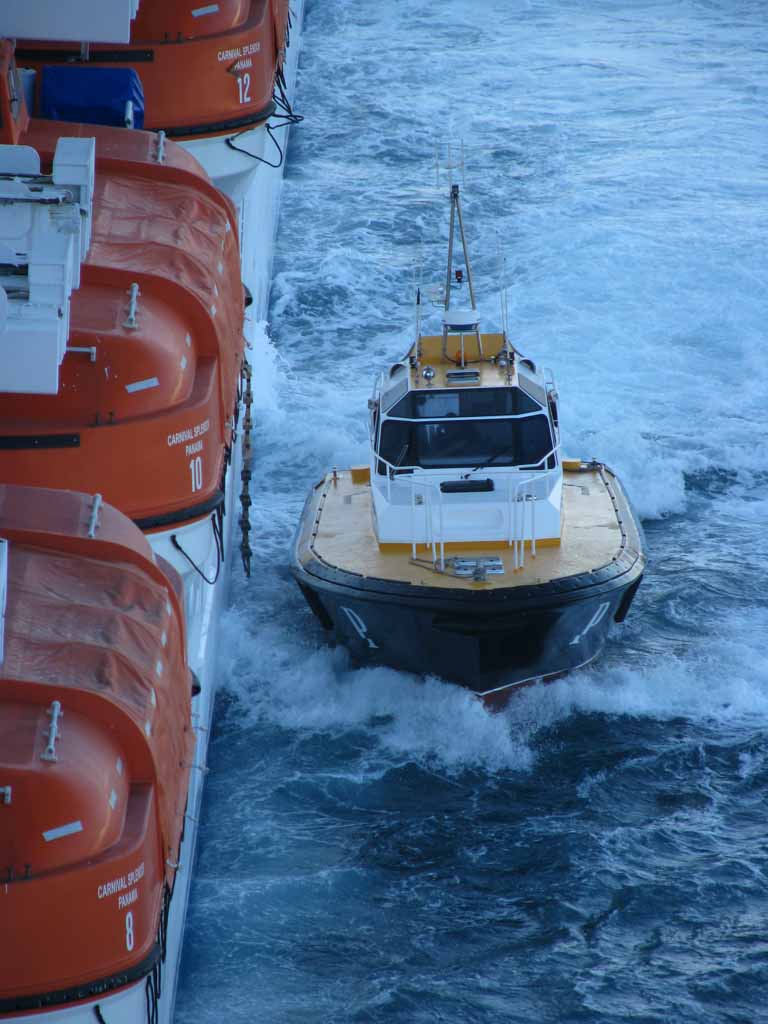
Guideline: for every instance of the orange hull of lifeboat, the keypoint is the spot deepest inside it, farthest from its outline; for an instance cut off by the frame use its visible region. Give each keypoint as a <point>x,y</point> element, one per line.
<point>147,402</point>
<point>95,747</point>
<point>206,70</point>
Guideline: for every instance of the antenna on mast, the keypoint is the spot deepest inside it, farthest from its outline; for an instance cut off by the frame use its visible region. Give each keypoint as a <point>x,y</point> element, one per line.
<point>507,350</point>
<point>418,303</point>
<point>502,287</point>
<point>451,165</point>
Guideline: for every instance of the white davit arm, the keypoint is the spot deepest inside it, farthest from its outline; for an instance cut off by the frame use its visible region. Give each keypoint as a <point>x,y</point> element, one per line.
<point>45,231</point>
<point>92,21</point>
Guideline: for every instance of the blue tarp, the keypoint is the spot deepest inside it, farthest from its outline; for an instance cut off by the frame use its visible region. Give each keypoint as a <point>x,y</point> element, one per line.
<point>91,95</point>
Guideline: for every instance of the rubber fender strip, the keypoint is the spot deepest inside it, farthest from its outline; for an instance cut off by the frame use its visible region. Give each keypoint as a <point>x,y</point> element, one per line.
<point>31,442</point>
<point>192,512</point>
<point>91,988</point>
<point>236,124</point>
<point>74,56</point>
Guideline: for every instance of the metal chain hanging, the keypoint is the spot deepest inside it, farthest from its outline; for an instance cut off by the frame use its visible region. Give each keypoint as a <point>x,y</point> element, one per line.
<point>245,474</point>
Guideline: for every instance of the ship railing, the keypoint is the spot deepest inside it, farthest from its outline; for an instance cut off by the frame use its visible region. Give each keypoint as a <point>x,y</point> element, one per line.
<point>427,475</point>
<point>521,494</point>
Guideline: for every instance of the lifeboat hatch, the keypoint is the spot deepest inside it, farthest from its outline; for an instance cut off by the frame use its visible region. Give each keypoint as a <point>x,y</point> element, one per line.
<point>69,789</point>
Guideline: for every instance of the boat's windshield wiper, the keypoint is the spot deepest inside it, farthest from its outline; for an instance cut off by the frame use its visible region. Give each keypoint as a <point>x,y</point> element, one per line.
<point>399,459</point>
<point>489,462</point>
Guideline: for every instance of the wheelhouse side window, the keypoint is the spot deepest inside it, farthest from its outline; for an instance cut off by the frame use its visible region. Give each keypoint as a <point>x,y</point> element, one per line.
<point>395,444</point>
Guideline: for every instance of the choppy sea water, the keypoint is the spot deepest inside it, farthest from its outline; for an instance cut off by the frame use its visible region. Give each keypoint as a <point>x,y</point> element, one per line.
<point>377,847</point>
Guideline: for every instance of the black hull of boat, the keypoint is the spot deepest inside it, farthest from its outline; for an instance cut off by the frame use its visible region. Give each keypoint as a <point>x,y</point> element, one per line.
<point>489,641</point>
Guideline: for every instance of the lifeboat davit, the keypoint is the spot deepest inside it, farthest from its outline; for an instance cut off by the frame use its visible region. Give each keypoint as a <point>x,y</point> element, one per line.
<point>95,748</point>
<point>209,75</point>
<point>120,355</point>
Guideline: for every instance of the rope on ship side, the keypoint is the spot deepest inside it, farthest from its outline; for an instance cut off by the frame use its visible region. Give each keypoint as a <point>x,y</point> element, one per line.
<point>218,534</point>
<point>153,998</point>
<point>284,115</point>
<point>245,391</point>
<point>154,984</point>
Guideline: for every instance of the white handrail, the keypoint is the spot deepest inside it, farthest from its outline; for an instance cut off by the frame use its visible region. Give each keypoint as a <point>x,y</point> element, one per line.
<point>533,466</point>
<point>519,497</point>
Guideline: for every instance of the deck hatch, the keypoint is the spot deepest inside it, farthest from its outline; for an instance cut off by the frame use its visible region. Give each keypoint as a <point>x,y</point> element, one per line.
<point>463,376</point>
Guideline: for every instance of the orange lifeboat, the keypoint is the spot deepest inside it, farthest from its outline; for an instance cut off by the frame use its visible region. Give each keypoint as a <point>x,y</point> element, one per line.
<point>144,406</point>
<point>206,69</point>
<point>95,747</point>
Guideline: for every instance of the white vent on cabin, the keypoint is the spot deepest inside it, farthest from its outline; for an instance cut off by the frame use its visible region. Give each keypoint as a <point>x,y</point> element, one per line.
<point>45,231</point>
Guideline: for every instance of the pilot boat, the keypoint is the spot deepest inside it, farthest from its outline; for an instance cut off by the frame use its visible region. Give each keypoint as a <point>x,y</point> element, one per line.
<point>469,548</point>
<point>208,75</point>
<point>122,377</point>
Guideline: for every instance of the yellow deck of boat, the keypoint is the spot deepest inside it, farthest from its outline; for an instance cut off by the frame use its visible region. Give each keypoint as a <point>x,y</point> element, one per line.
<point>338,530</point>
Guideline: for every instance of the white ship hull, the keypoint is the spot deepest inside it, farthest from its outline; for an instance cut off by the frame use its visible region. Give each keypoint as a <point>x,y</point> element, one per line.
<point>232,169</point>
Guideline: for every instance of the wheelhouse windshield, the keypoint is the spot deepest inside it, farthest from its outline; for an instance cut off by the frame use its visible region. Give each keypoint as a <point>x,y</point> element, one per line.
<point>446,440</point>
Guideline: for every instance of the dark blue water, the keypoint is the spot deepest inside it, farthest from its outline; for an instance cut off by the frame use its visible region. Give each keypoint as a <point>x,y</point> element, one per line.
<point>379,848</point>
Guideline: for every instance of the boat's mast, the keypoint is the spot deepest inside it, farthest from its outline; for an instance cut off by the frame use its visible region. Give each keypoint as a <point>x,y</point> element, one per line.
<point>456,212</point>
<point>467,320</point>
<point>455,199</point>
